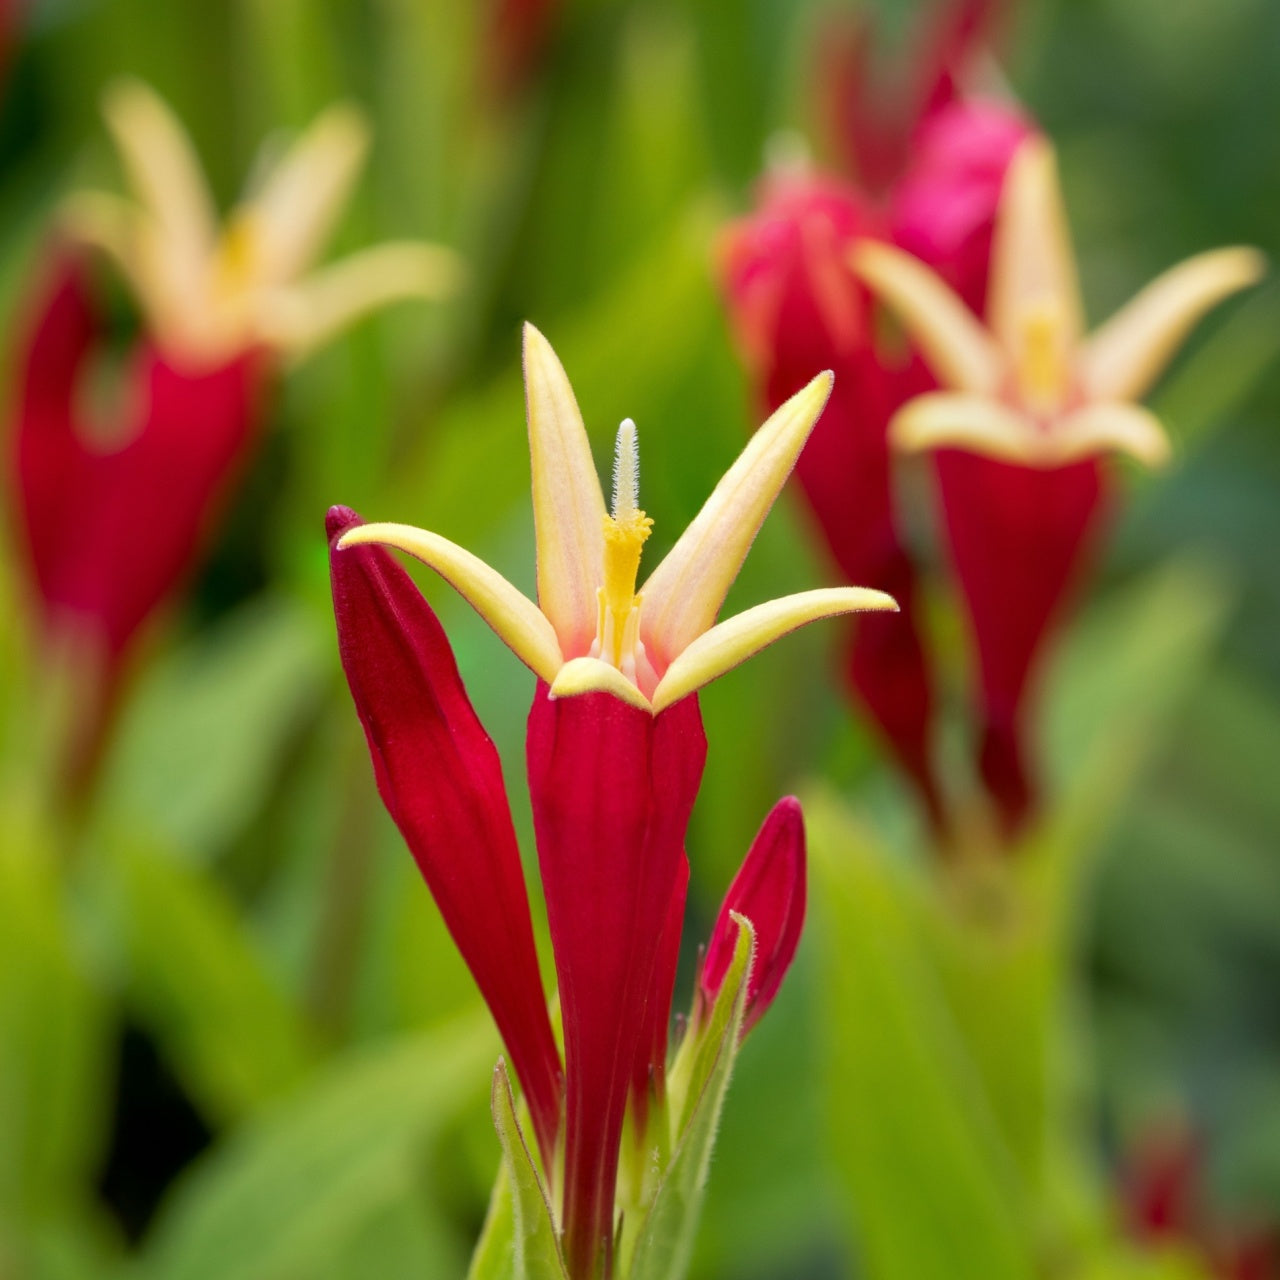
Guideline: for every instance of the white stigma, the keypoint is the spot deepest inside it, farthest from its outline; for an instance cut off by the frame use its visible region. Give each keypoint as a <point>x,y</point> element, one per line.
<point>626,472</point>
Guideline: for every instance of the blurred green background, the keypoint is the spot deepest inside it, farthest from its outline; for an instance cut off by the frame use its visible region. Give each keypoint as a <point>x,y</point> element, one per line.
<point>234,1038</point>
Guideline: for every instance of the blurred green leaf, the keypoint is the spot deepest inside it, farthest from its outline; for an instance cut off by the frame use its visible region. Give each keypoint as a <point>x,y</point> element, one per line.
<point>1127,667</point>
<point>999,970</point>
<point>276,1198</point>
<point>54,1027</point>
<point>407,1240</point>
<point>198,981</point>
<point>200,748</point>
<point>932,1189</point>
<point>76,1245</point>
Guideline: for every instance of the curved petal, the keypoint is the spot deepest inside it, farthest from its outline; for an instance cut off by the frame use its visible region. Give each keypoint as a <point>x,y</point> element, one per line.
<point>1124,357</point>
<point>1112,427</point>
<point>514,618</point>
<point>164,173</point>
<point>591,675</point>
<point>959,350</point>
<point>303,317</point>
<point>685,592</point>
<point>1033,265</point>
<point>113,226</point>
<point>294,211</point>
<point>942,419</point>
<point>738,638</point>
<point>568,504</point>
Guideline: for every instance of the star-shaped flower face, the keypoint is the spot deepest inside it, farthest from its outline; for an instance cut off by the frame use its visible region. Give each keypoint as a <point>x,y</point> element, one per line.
<point>591,628</point>
<point>210,292</point>
<point>1030,387</point>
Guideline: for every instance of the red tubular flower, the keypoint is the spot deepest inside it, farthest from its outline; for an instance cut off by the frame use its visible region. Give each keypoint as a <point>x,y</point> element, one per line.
<point>769,890</point>
<point>1030,400</point>
<point>615,748</point>
<point>112,527</point>
<point>115,518</point>
<point>1018,538</point>
<point>1164,1203</point>
<point>440,778</point>
<point>612,789</point>
<point>799,308</point>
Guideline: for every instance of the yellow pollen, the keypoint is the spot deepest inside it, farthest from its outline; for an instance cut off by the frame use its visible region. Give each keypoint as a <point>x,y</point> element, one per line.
<point>1042,362</point>
<point>238,253</point>
<point>625,532</point>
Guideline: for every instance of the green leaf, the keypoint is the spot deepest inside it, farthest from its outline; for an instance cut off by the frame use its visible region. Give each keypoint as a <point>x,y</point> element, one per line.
<point>1128,667</point>
<point>665,1241</point>
<point>535,1251</point>
<point>199,982</point>
<point>200,746</point>
<point>931,1186</point>
<point>53,1040</point>
<point>282,1194</point>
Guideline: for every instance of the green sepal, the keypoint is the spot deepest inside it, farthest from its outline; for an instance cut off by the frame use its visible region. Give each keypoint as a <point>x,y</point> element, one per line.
<point>699,1081</point>
<point>494,1255</point>
<point>535,1246</point>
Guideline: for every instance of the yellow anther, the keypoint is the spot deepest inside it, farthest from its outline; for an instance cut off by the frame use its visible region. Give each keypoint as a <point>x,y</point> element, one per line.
<point>625,533</point>
<point>237,260</point>
<point>1043,364</point>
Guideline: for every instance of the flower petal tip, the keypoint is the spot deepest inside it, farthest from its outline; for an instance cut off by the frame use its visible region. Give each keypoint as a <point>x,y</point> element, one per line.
<point>340,520</point>
<point>591,675</point>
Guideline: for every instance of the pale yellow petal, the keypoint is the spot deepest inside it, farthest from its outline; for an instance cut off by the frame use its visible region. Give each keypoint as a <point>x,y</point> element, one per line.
<point>738,638</point>
<point>959,350</point>
<point>106,223</point>
<point>165,174</point>
<point>591,675</point>
<point>305,316</point>
<point>1033,265</point>
<point>293,213</point>
<point>1112,427</point>
<point>947,419</point>
<point>685,592</point>
<point>514,618</point>
<point>1124,357</point>
<point>568,504</point>
<point>129,235</point>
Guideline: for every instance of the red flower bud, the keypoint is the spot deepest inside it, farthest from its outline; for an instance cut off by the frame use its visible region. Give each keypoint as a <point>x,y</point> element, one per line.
<point>769,890</point>
<point>441,780</point>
